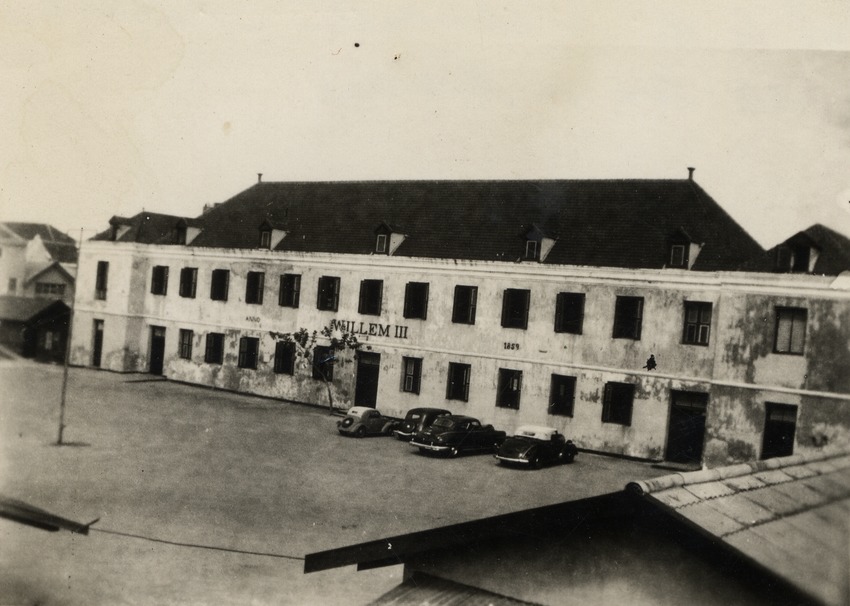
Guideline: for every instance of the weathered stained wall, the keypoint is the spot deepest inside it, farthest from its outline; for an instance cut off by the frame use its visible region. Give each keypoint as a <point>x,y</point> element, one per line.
<point>738,368</point>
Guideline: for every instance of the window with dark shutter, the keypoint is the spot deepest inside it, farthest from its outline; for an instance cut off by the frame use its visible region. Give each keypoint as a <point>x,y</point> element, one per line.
<point>569,312</point>
<point>562,392</point>
<point>323,362</point>
<point>254,287</point>
<point>416,300</point>
<point>465,302</point>
<point>248,352</point>
<point>290,290</point>
<point>101,280</point>
<point>458,383</point>
<point>617,403</point>
<point>220,284</point>
<point>188,282</point>
<point>411,375</point>
<point>628,317</point>
<point>371,292</point>
<point>509,388</point>
<point>214,353</point>
<point>790,330</point>
<point>284,357</point>
<point>697,329</point>
<point>327,298</point>
<point>159,280</point>
<point>186,337</point>
<point>515,302</point>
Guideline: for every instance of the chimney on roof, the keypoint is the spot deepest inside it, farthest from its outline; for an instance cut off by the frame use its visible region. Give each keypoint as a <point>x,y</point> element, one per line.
<point>691,170</point>
<point>259,177</point>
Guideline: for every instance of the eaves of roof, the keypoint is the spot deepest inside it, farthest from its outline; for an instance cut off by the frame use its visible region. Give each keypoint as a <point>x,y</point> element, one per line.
<point>776,512</point>
<point>22,309</point>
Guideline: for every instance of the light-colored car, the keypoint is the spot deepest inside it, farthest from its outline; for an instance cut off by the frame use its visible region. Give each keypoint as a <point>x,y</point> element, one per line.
<point>363,421</point>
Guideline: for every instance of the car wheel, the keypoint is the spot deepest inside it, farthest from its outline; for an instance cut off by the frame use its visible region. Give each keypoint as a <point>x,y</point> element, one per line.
<point>569,457</point>
<point>361,431</point>
<point>423,450</point>
<point>454,452</point>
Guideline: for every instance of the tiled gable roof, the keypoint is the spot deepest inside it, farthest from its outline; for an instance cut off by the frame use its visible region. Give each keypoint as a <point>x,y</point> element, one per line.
<point>778,512</point>
<point>833,252</point>
<point>62,252</point>
<point>617,223</point>
<point>21,309</point>
<point>48,233</point>
<point>145,228</point>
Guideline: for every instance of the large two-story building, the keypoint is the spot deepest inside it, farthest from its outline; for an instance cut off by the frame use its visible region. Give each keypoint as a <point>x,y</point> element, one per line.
<point>613,310</point>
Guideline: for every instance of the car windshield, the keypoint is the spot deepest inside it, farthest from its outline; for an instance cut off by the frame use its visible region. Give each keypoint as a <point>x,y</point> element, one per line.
<point>444,422</point>
<point>413,416</point>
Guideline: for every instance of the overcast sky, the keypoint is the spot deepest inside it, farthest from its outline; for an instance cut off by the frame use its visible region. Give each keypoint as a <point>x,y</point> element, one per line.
<point>110,107</point>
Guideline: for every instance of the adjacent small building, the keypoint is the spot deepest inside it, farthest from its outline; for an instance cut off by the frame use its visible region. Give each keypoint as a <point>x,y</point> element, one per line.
<point>765,532</point>
<point>634,316</point>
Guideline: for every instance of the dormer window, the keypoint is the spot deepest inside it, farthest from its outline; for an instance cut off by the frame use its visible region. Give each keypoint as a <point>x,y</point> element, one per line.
<point>180,235</point>
<point>381,244</point>
<point>266,239</point>
<point>797,255</point>
<point>271,235</point>
<point>531,249</point>
<point>679,255</point>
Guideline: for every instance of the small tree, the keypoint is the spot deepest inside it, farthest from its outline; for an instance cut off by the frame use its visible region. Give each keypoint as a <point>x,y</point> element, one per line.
<point>306,345</point>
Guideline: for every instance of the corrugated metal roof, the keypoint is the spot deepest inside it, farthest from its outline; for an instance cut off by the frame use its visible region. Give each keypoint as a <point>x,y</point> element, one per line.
<point>790,515</point>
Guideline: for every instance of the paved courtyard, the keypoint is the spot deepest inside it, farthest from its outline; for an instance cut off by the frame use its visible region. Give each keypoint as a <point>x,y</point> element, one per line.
<point>195,466</point>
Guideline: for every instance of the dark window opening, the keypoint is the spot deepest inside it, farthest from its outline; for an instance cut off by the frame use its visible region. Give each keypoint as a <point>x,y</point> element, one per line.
<point>214,353</point>
<point>249,348</point>
<point>416,300</point>
<point>780,425</point>
<point>290,290</point>
<point>465,301</point>
<point>790,330</point>
<point>617,403</point>
<point>186,344</point>
<point>159,280</point>
<point>628,317</point>
<point>381,243</point>
<point>458,384</point>
<point>323,362</point>
<point>515,304</point>
<point>328,295</point>
<point>219,284</point>
<point>531,249</point>
<point>101,280</point>
<point>180,235</point>
<point>284,357</point>
<point>254,287</point>
<point>569,312</point>
<point>679,255</point>
<point>562,393</point>
<point>509,388</point>
<point>188,282</point>
<point>411,376</point>
<point>265,239</point>
<point>697,329</point>
<point>371,292</point>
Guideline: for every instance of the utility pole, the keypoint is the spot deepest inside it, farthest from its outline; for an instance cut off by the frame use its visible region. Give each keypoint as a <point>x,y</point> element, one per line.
<point>68,348</point>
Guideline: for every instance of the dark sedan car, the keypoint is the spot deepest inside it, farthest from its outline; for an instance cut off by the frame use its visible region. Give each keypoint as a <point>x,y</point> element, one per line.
<point>453,434</point>
<point>418,419</point>
<point>535,446</point>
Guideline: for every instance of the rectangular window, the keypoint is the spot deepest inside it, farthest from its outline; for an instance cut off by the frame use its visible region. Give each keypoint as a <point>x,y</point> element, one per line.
<point>790,330</point>
<point>186,344</point>
<point>13,285</point>
<point>323,362</point>
<point>617,403</point>
<point>562,394</point>
<point>515,303</point>
<point>214,353</point>
<point>697,328</point>
<point>101,280</point>
<point>569,312</point>
<point>780,425</point>
<point>416,300</point>
<point>49,288</point>
<point>284,357</point>
<point>458,387</point>
<point>531,249</point>
<point>249,347</point>
<point>328,296</point>
<point>220,284</point>
<point>381,243</point>
<point>265,239</point>
<point>509,389</point>
<point>159,280</point>
<point>466,299</point>
<point>290,290</point>
<point>371,292</point>
<point>411,375</point>
<point>254,287</point>
<point>678,255</point>
<point>628,316</point>
<point>188,282</point>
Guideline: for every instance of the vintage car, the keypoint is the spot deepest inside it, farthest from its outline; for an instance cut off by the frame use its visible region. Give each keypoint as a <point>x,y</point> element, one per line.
<point>453,434</point>
<point>362,421</point>
<point>535,446</point>
<point>418,419</point>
